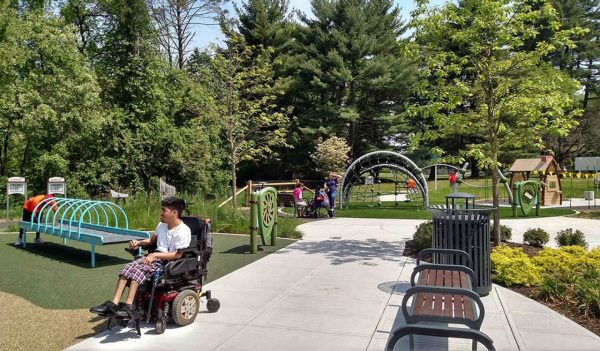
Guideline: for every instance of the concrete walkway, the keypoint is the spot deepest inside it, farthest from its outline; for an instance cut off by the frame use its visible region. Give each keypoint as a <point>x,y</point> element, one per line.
<point>339,289</point>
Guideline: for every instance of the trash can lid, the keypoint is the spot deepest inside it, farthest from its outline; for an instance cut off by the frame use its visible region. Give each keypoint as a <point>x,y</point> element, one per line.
<point>460,195</point>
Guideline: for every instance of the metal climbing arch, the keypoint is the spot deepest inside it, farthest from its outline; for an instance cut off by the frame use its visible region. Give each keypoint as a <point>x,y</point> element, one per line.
<point>374,161</point>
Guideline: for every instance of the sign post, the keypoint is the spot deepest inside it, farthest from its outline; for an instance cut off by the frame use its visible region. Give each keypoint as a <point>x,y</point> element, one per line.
<point>15,185</point>
<point>57,185</point>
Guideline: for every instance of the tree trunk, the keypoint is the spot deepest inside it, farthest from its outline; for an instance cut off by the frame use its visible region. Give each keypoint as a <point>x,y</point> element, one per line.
<point>233,180</point>
<point>4,155</point>
<point>474,167</point>
<point>24,160</point>
<point>180,39</point>
<point>494,158</point>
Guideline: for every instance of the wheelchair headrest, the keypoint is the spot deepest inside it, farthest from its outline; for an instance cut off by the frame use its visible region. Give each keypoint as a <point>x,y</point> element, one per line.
<point>201,237</point>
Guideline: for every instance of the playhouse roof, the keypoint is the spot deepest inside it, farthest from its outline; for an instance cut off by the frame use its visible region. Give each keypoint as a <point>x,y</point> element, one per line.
<point>532,164</point>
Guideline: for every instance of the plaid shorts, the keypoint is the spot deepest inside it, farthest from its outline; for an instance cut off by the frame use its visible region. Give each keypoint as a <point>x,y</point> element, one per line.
<point>139,271</point>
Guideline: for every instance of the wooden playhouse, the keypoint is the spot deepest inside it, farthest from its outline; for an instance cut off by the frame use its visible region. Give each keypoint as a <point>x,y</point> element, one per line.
<point>544,168</point>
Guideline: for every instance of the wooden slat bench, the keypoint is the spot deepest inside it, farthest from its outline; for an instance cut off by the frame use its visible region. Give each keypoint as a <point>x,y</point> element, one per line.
<point>442,294</point>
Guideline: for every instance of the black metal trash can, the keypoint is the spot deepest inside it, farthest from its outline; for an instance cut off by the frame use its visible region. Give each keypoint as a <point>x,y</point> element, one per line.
<point>468,229</point>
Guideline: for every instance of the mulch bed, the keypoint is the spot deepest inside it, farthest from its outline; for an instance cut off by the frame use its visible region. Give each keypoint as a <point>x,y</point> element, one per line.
<point>566,308</point>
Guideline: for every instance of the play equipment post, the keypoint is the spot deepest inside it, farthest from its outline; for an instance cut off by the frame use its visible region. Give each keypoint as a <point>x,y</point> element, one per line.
<point>263,217</point>
<point>15,185</point>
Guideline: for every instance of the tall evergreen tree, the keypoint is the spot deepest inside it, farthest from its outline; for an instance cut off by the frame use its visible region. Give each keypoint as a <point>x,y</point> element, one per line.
<point>581,62</point>
<point>352,74</point>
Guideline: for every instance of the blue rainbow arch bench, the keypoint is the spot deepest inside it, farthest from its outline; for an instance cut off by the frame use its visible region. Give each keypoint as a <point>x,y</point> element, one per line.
<point>89,221</point>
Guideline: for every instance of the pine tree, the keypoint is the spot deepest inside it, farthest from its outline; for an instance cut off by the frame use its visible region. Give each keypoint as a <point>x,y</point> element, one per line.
<point>352,75</point>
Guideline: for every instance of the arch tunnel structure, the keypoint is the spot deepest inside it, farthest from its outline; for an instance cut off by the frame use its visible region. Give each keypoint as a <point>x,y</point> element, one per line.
<point>376,161</point>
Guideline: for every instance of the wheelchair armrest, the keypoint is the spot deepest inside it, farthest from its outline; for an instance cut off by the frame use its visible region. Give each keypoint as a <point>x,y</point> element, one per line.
<point>180,266</point>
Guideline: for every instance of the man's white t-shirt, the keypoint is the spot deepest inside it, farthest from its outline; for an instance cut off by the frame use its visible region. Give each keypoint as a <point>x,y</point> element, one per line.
<point>171,240</point>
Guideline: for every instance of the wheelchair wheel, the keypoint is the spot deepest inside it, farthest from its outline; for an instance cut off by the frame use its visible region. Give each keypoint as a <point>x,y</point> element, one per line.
<point>160,326</point>
<point>185,307</point>
<point>213,305</point>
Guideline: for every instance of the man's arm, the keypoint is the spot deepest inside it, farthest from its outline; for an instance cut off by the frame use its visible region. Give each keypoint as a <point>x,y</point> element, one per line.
<point>165,256</point>
<point>142,243</point>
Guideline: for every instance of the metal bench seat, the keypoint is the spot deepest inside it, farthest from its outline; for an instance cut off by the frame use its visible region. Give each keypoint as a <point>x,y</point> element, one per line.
<point>442,294</point>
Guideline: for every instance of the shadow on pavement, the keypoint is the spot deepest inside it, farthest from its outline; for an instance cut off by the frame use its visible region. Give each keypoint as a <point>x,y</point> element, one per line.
<point>347,251</point>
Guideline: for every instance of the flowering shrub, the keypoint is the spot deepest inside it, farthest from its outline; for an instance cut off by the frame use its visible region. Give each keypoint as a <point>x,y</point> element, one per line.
<point>563,263</point>
<point>511,266</point>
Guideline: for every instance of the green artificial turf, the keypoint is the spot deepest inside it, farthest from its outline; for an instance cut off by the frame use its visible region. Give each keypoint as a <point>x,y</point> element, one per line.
<point>58,276</point>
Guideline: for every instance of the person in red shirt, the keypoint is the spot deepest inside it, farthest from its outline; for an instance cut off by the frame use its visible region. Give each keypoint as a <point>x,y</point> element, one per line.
<point>28,215</point>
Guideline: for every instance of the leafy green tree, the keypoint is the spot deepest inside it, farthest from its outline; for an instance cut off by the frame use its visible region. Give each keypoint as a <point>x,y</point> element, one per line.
<point>87,17</point>
<point>49,96</point>
<point>240,79</point>
<point>517,96</point>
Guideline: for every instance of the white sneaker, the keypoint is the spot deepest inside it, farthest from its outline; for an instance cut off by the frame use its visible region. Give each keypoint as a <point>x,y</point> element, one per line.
<point>39,241</point>
<point>18,242</point>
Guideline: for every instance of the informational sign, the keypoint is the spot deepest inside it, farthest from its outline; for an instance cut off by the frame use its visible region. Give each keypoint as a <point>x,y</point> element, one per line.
<point>587,164</point>
<point>16,185</point>
<point>57,185</point>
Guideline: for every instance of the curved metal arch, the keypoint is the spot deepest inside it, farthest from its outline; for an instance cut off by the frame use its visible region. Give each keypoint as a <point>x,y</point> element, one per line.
<point>384,159</point>
<point>109,205</point>
<point>76,210</point>
<point>347,191</point>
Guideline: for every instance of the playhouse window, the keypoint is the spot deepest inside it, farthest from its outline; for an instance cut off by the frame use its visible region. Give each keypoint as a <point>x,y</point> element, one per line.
<point>552,185</point>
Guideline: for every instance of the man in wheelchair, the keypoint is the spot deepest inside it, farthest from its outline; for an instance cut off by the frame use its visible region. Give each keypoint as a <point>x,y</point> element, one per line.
<point>172,271</point>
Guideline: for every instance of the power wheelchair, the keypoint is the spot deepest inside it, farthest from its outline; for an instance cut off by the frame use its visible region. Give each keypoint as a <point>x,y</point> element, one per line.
<point>173,294</point>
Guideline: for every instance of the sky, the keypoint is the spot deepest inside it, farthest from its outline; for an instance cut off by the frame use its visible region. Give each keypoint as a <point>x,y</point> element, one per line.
<point>212,34</point>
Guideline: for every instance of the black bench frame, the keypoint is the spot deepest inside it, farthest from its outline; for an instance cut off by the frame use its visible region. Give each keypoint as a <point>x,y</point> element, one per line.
<point>468,296</point>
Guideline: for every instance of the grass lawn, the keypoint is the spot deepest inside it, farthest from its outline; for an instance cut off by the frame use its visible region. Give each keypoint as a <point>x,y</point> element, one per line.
<point>388,210</point>
<point>480,187</point>
<point>403,211</point>
<point>57,276</point>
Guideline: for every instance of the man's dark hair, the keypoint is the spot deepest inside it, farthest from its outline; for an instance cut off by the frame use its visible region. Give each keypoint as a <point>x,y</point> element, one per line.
<point>174,204</point>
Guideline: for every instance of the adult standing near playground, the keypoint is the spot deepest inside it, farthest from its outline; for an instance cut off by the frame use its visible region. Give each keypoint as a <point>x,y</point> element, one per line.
<point>28,216</point>
<point>331,185</point>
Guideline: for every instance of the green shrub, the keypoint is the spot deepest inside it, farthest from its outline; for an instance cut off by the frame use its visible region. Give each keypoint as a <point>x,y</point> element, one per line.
<point>511,266</point>
<point>536,237</point>
<point>505,232</point>
<point>588,296</point>
<point>567,238</point>
<point>551,289</point>
<point>422,238</point>
<point>565,263</point>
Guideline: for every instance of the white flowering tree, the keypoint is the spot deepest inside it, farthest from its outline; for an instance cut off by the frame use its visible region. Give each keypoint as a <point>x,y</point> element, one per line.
<point>331,155</point>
